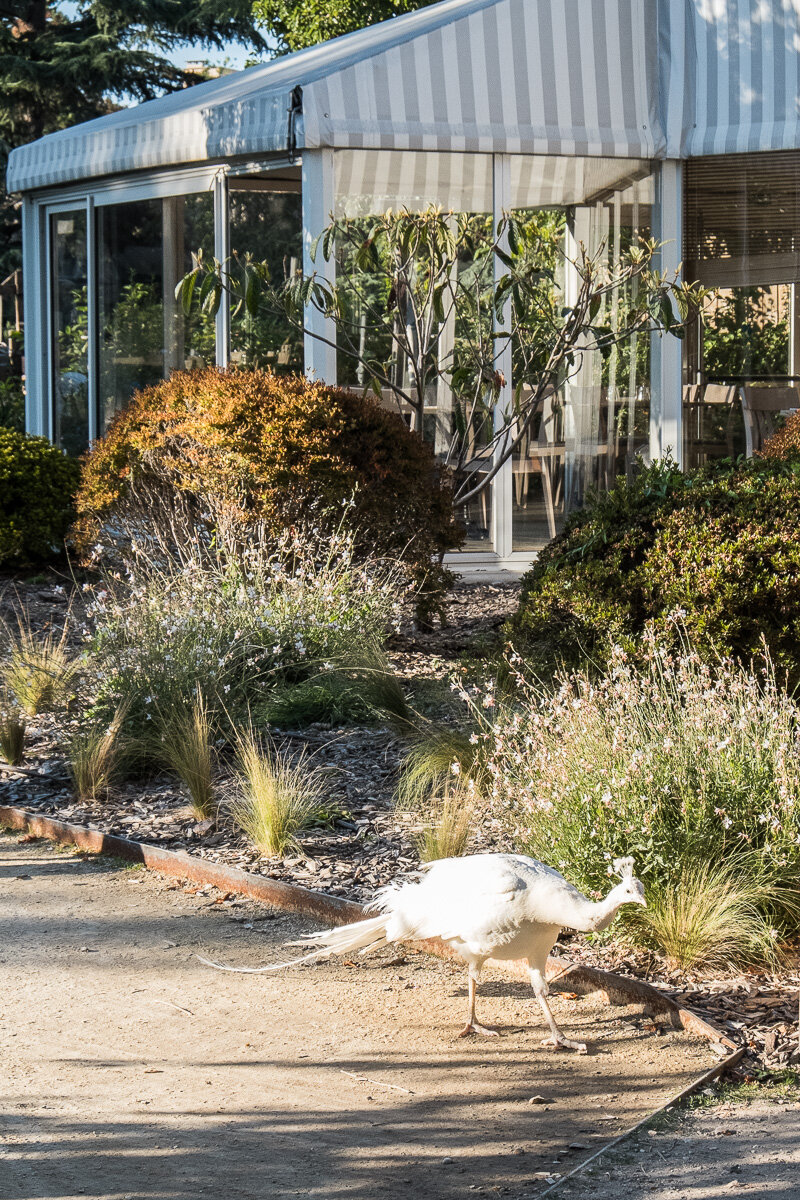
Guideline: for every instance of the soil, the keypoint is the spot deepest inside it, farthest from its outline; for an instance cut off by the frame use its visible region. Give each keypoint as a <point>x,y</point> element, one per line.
<point>133,1072</point>
<point>732,1149</point>
<point>361,852</point>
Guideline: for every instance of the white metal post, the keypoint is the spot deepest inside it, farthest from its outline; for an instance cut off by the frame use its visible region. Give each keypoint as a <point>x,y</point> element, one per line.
<point>502,512</point>
<point>92,354</point>
<point>222,252</point>
<point>666,357</point>
<point>34,293</point>
<point>318,202</point>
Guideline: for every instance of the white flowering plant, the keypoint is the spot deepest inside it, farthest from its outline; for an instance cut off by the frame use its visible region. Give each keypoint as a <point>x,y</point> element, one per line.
<point>232,620</point>
<point>673,760</point>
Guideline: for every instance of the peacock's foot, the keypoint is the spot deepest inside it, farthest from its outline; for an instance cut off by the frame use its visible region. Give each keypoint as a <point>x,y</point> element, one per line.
<point>473,1027</point>
<point>562,1043</point>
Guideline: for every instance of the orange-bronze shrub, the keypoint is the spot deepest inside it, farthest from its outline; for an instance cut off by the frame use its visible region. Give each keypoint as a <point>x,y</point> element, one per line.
<point>785,442</point>
<point>273,449</point>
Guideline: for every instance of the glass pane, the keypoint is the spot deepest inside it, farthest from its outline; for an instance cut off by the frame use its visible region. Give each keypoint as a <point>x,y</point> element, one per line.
<point>742,215</point>
<point>266,221</point>
<point>188,226</point>
<point>70,331</point>
<point>591,426</point>
<point>369,184</point>
<point>144,250</point>
<point>130,302</point>
<point>740,237</point>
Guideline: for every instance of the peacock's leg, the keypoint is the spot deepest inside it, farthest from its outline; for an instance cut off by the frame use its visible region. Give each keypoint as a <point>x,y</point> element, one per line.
<point>557,1040</point>
<point>472,1025</point>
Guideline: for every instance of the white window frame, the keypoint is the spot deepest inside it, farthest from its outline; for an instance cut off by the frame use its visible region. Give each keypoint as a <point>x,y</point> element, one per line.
<point>38,263</point>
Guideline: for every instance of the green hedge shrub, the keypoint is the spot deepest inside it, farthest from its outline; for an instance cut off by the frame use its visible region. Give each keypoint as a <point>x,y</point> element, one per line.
<point>277,450</point>
<point>720,546</point>
<point>37,489</point>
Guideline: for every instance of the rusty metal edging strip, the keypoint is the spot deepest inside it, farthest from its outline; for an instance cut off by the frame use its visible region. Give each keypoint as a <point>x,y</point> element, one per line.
<point>707,1077</point>
<point>288,896</point>
<point>291,897</point>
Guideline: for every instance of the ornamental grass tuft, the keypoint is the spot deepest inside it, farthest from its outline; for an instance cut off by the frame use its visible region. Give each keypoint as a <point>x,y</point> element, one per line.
<point>12,729</point>
<point>276,798</point>
<point>96,756</point>
<point>714,917</point>
<point>186,747</point>
<point>448,827</point>
<point>38,666</point>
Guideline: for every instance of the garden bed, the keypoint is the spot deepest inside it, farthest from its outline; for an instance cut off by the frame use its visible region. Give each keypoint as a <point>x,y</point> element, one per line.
<point>371,843</point>
<point>362,851</point>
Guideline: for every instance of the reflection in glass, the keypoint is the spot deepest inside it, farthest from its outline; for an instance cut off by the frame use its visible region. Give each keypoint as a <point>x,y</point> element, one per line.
<point>144,249</point>
<point>70,332</point>
<point>266,221</point>
<point>130,303</point>
<point>592,427</point>
<point>368,184</point>
<point>741,219</point>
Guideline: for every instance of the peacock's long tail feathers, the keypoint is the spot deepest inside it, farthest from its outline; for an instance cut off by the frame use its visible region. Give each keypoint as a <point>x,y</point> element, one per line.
<point>362,936</point>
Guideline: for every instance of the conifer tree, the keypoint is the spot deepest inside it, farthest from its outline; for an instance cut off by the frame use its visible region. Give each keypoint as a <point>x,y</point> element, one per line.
<point>63,63</point>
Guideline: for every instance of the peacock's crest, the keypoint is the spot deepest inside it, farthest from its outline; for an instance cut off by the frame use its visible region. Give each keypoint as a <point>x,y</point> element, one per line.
<point>623,868</point>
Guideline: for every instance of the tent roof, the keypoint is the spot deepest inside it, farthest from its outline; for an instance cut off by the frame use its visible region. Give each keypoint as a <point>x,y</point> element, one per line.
<point>613,78</point>
<point>459,75</point>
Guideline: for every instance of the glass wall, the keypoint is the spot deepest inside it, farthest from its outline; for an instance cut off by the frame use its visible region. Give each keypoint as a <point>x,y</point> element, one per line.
<point>592,425</point>
<point>742,237</point>
<point>368,184</point>
<point>143,250</point>
<point>70,331</point>
<point>266,222</point>
<point>140,333</point>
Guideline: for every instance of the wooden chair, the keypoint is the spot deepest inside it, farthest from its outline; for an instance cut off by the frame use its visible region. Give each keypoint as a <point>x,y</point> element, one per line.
<point>392,403</point>
<point>760,407</point>
<point>541,454</point>
<point>701,404</point>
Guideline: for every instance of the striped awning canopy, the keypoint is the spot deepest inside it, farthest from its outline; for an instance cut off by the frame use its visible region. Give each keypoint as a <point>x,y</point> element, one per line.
<point>637,79</point>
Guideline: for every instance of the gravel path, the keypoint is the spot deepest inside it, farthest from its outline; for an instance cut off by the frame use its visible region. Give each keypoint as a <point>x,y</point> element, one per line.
<point>132,1071</point>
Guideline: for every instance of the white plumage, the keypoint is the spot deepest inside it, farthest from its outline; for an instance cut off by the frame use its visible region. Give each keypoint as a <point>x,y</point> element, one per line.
<point>504,906</point>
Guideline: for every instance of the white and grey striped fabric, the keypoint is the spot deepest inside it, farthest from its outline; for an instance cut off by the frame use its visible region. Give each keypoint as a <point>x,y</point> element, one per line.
<point>566,77</point>
<point>636,79</point>
<point>370,181</point>
<point>569,77</point>
<point>742,69</point>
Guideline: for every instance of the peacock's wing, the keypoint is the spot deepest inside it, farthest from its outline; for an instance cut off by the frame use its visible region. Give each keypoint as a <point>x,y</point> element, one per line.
<point>480,900</point>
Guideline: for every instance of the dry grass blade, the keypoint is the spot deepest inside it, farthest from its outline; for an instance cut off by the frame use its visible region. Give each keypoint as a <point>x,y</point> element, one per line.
<point>712,916</point>
<point>187,748</point>
<point>430,766</point>
<point>12,730</point>
<point>96,756</point>
<point>277,798</point>
<point>38,669</point>
<point>448,832</point>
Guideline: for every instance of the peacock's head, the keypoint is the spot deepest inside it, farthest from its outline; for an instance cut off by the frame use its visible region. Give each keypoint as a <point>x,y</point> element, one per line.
<point>630,891</point>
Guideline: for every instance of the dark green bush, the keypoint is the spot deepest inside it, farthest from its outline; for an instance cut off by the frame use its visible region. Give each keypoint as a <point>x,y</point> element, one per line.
<point>720,546</point>
<point>37,489</point>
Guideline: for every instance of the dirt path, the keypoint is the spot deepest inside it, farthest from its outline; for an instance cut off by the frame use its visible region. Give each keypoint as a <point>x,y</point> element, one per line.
<point>132,1071</point>
<point>737,1149</point>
